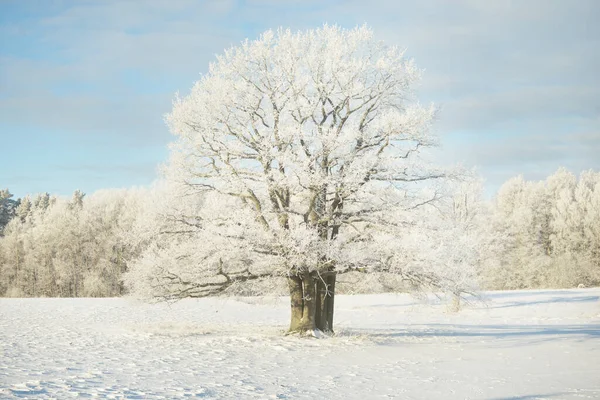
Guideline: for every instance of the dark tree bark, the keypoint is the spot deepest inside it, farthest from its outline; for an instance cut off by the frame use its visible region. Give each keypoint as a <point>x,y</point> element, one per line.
<point>325,297</point>
<point>311,301</point>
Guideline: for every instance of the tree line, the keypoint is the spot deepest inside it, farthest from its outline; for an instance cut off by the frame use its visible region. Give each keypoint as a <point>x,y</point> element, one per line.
<point>547,233</point>
<point>532,234</point>
<point>52,246</point>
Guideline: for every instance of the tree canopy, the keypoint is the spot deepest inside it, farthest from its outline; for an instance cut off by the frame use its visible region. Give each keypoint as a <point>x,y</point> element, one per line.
<point>304,150</point>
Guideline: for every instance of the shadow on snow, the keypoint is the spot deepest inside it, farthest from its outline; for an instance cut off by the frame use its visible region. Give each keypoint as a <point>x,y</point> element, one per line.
<point>531,396</point>
<point>553,300</point>
<point>498,332</point>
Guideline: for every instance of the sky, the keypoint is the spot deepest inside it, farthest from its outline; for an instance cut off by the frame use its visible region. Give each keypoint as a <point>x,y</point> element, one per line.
<point>85,84</point>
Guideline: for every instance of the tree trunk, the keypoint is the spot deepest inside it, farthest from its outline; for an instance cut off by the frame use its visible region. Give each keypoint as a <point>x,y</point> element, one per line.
<point>311,301</point>
<point>296,302</point>
<point>455,307</point>
<point>325,296</point>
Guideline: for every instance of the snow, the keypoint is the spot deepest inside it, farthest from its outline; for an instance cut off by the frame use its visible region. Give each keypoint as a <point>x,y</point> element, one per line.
<point>513,345</point>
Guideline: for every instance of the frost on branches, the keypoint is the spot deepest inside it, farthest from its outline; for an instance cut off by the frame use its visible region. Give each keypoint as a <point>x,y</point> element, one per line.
<point>296,156</point>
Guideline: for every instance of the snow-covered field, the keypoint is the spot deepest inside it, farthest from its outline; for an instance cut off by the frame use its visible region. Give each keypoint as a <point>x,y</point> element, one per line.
<point>515,345</point>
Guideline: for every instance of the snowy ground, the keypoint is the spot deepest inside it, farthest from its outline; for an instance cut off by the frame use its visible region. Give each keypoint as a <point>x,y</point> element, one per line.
<point>516,345</point>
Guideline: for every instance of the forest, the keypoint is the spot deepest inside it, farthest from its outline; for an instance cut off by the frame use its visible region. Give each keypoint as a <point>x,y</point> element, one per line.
<point>531,234</point>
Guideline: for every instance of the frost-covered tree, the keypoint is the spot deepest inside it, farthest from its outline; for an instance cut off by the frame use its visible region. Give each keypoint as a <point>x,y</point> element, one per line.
<point>519,216</point>
<point>297,156</point>
<point>450,239</point>
<point>24,208</point>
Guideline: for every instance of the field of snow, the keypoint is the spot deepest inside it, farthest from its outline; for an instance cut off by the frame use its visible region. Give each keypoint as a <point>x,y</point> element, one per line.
<point>514,345</point>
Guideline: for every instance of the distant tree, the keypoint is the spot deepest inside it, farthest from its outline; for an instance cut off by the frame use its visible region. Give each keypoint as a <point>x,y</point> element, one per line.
<point>77,199</point>
<point>42,201</point>
<point>301,153</point>
<point>24,208</point>
<point>8,208</point>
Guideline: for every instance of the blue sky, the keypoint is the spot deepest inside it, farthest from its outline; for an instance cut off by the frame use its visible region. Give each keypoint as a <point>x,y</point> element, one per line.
<point>84,84</point>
